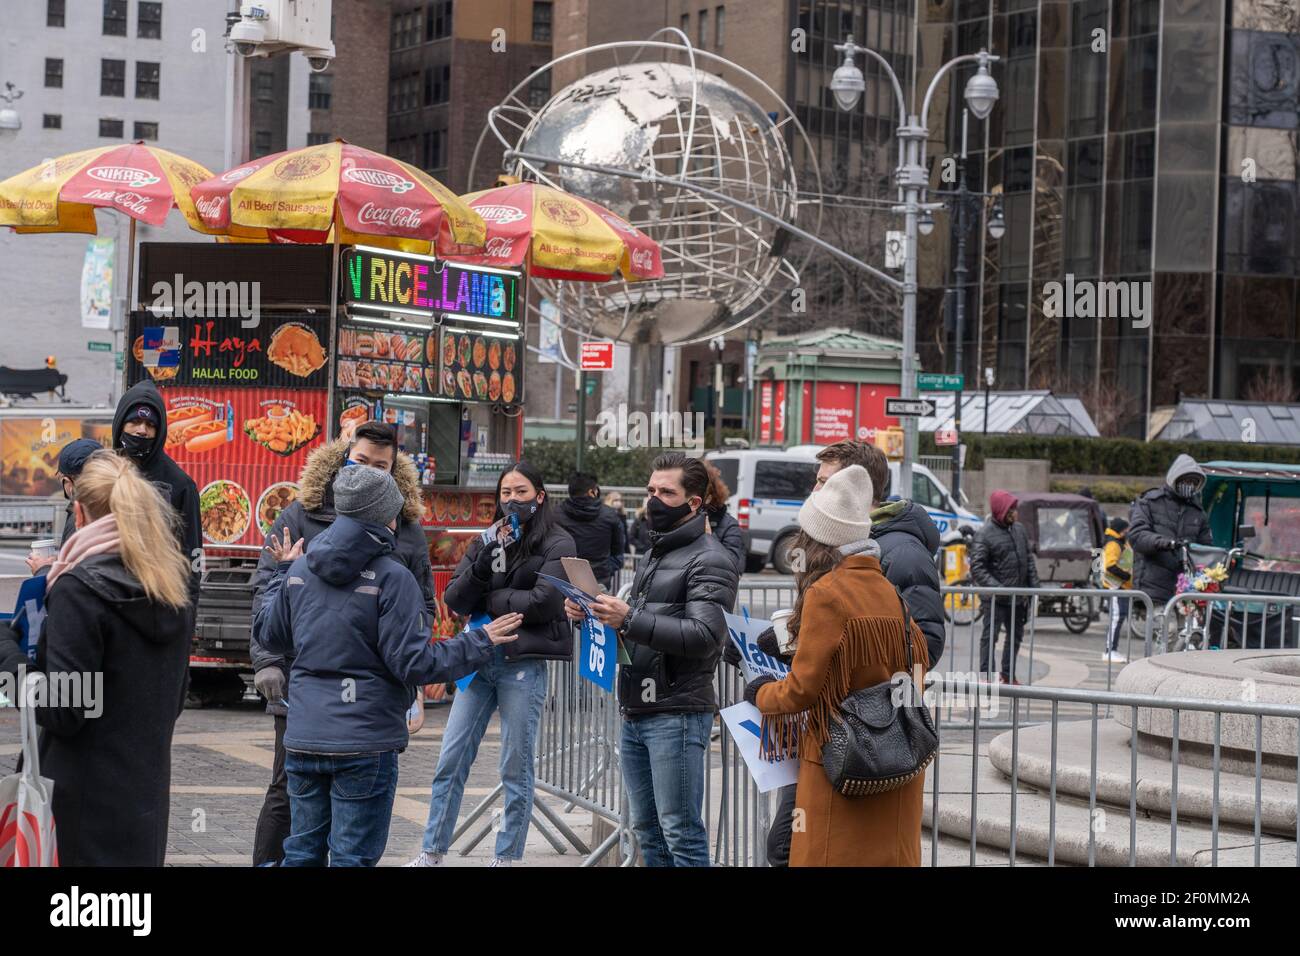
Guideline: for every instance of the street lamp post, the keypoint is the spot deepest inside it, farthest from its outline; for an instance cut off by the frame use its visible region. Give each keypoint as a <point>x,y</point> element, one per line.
<point>847,85</point>
<point>966,206</point>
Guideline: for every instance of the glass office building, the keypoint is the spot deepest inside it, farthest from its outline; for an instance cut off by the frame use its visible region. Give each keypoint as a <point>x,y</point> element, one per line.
<point>1137,142</point>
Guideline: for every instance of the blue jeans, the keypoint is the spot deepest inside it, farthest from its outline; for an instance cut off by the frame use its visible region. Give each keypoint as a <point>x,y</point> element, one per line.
<point>340,804</point>
<point>519,690</point>
<point>663,770</point>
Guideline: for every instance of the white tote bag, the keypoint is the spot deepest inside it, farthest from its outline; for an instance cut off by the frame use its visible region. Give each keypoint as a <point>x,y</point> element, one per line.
<point>26,811</point>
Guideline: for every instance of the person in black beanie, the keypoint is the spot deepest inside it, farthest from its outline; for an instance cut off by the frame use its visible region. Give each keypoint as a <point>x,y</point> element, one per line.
<point>140,433</point>
<point>72,458</point>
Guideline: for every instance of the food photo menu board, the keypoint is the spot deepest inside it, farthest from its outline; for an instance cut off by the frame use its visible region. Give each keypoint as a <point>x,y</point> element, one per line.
<point>479,368</point>
<point>450,364</point>
<point>244,448</point>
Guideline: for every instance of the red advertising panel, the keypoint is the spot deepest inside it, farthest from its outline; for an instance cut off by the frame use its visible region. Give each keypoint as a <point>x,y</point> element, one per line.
<point>778,430</point>
<point>244,448</point>
<point>834,417</point>
<point>765,413</point>
<point>871,404</point>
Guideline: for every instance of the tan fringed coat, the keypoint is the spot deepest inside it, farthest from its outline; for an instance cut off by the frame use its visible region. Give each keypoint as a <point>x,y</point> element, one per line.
<point>851,636</point>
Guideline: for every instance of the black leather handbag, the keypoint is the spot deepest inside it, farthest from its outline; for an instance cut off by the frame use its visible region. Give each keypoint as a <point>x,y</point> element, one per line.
<point>884,736</point>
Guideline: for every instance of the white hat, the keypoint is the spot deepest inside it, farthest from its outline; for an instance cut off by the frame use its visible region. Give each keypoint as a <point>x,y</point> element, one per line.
<point>839,513</point>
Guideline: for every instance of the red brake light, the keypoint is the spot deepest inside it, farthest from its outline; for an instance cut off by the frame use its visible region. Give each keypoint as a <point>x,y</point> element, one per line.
<point>742,512</point>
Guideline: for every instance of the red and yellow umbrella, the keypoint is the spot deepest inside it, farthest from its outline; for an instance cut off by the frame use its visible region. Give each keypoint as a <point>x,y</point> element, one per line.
<point>297,196</point>
<point>62,194</point>
<point>560,236</point>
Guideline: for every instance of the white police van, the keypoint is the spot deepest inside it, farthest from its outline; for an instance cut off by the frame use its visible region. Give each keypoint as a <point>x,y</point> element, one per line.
<point>768,485</point>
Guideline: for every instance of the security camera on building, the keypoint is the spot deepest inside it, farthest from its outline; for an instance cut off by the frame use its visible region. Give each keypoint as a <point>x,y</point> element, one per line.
<point>276,26</point>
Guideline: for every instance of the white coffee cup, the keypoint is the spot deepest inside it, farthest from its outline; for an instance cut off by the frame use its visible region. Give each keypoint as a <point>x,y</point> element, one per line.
<point>783,639</point>
<point>45,548</point>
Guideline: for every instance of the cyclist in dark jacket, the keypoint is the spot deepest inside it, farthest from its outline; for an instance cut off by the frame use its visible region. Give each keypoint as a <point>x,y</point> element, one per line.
<point>372,445</point>
<point>1000,557</point>
<point>1159,520</point>
<point>496,579</point>
<point>598,532</point>
<point>674,629</point>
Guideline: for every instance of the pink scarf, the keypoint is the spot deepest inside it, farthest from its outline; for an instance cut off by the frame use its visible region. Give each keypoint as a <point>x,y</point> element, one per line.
<point>98,537</point>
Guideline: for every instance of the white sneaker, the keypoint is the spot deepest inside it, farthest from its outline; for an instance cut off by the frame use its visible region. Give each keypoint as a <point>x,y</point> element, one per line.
<point>501,861</point>
<point>426,859</point>
<point>1114,657</point>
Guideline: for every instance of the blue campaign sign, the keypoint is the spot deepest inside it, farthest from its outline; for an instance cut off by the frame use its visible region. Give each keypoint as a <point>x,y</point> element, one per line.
<point>754,663</point>
<point>29,614</point>
<point>599,649</point>
<point>598,653</point>
<point>478,620</point>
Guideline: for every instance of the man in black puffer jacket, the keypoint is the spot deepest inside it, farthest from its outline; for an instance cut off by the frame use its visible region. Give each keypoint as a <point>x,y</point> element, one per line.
<point>674,630</point>
<point>597,531</point>
<point>1000,558</point>
<point>1161,518</point>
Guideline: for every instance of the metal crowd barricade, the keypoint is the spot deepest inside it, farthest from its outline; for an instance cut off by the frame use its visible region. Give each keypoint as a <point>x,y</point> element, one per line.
<point>576,760</point>
<point>23,517</point>
<point>1272,812</point>
<point>1231,620</point>
<point>969,611</point>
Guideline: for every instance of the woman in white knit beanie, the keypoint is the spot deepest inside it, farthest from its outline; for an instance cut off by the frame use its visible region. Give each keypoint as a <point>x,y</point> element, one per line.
<point>848,624</point>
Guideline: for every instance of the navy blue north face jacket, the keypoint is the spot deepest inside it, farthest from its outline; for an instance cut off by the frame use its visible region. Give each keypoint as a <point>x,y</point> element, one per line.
<point>352,620</point>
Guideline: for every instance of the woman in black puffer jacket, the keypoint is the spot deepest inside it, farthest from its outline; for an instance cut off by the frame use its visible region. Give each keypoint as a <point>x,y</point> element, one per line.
<point>493,580</point>
<point>722,525</point>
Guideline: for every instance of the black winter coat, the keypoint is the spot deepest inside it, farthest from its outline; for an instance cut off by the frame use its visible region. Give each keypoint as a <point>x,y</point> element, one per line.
<point>1000,558</point>
<point>908,542</point>
<point>111,770</point>
<point>313,512</point>
<point>676,630</point>
<point>727,530</point>
<point>598,534</point>
<point>546,632</point>
<point>176,486</point>
<point>639,537</point>
<point>1158,516</point>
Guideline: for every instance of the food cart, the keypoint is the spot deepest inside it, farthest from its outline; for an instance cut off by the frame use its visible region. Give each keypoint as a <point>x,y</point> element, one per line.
<point>432,347</point>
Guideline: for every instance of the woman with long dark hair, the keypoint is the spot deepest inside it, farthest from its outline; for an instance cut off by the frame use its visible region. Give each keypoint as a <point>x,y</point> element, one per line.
<point>849,631</point>
<point>499,576</point>
<point>722,525</point>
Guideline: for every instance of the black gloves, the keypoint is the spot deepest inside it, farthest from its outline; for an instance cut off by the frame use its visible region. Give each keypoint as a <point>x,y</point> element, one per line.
<point>751,689</point>
<point>483,560</point>
<point>731,653</point>
<point>768,645</point>
<point>1168,544</point>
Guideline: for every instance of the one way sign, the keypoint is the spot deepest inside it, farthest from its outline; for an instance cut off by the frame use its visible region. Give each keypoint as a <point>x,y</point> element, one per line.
<point>909,407</point>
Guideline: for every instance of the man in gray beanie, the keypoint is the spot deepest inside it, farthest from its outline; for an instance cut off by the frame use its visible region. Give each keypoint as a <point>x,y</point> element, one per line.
<point>352,621</point>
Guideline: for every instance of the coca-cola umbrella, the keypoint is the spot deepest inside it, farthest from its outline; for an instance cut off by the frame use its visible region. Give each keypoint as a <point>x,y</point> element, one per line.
<point>61,195</point>
<point>363,196</point>
<point>557,235</point>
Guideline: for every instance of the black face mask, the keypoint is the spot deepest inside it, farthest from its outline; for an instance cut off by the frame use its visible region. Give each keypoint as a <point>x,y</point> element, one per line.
<point>524,509</point>
<point>137,446</point>
<point>664,517</point>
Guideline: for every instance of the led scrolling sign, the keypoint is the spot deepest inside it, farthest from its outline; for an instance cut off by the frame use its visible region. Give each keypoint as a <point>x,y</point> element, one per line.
<point>400,282</point>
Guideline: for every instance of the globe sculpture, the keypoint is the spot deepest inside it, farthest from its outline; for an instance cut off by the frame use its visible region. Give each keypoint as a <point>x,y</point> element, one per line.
<point>723,262</point>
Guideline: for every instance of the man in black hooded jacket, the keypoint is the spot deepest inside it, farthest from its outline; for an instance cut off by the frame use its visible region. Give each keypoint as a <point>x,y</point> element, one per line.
<point>140,432</point>
<point>597,530</point>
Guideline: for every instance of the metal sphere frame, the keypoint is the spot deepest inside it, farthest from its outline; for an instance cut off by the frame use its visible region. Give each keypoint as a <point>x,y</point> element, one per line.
<point>731,258</point>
